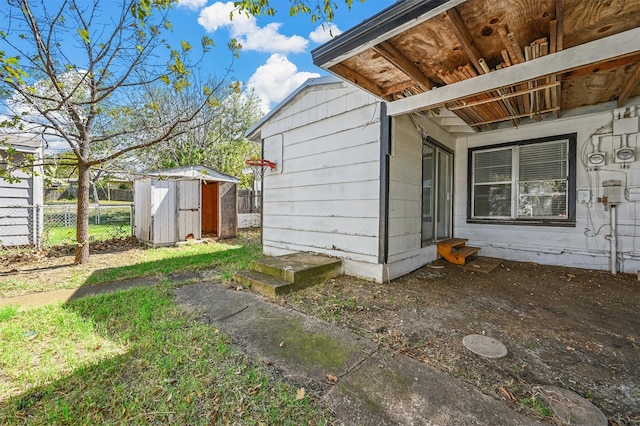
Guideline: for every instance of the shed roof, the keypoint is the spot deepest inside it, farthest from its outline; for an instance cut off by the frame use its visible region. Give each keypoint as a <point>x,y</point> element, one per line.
<point>194,172</point>
<point>493,61</point>
<point>253,132</point>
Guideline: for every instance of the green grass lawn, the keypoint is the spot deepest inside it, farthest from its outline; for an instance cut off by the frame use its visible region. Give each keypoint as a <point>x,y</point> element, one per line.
<point>221,259</point>
<point>61,235</point>
<point>134,357</point>
<point>106,222</point>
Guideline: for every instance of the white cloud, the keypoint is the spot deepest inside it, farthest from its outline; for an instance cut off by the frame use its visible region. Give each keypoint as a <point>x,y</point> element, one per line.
<point>323,34</point>
<point>276,79</point>
<point>246,30</point>
<point>217,15</point>
<point>192,4</point>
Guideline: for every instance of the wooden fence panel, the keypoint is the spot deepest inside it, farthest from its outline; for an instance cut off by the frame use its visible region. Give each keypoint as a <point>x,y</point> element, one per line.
<point>249,201</point>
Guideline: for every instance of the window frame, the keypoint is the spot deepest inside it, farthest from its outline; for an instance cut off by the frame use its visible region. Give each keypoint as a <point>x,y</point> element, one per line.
<point>569,221</point>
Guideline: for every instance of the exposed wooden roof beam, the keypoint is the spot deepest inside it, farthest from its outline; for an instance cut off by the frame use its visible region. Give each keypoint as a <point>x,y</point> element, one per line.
<point>559,30</point>
<point>632,83</point>
<point>505,96</point>
<point>603,66</point>
<point>452,17</point>
<point>398,87</point>
<point>560,25</point>
<point>395,57</point>
<point>358,79</point>
<point>601,50</point>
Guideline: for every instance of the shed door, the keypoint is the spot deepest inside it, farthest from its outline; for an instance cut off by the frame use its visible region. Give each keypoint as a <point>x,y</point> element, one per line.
<point>210,208</point>
<point>188,200</point>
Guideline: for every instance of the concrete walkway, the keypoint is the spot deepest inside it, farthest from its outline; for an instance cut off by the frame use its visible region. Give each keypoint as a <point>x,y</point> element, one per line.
<point>374,386</point>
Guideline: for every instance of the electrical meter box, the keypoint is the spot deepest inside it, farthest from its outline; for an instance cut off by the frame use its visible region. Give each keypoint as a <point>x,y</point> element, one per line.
<point>612,191</point>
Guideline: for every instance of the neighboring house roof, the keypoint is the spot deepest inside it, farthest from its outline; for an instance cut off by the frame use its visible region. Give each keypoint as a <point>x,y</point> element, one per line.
<point>492,63</point>
<point>194,172</point>
<point>27,141</point>
<point>253,132</point>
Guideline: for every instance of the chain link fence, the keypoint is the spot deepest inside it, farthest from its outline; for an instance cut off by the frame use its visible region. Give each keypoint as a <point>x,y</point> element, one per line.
<point>52,225</point>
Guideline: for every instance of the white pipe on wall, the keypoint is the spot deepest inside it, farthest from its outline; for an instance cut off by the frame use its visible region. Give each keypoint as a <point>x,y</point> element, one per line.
<point>613,240</point>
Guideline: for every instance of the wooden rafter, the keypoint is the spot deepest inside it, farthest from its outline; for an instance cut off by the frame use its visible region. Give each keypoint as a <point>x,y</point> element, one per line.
<point>471,104</point>
<point>559,29</point>
<point>357,79</point>
<point>452,17</point>
<point>603,66</point>
<point>400,61</point>
<point>399,87</point>
<point>632,83</point>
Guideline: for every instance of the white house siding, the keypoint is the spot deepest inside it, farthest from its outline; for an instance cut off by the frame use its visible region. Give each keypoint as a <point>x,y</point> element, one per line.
<point>324,195</point>
<point>586,245</point>
<point>21,218</point>
<point>405,251</point>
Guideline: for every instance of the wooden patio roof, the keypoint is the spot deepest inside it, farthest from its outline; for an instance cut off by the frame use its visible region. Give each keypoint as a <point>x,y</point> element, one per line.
<point>493,61</point>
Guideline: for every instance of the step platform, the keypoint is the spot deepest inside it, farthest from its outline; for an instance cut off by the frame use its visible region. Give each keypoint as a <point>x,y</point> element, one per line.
<point>283,274</point>
<point>456,251</point>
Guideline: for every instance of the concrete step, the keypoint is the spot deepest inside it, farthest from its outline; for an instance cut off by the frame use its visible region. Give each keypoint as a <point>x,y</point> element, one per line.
<point>302,269</point>
<point>263,283</point>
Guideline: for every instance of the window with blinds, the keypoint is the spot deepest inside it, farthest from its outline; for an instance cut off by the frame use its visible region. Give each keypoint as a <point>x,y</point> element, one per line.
<point>523,181</point>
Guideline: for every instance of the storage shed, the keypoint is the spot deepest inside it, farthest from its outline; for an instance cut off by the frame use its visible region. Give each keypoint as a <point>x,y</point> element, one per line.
<point>185,203</point>
<point>21,201</point>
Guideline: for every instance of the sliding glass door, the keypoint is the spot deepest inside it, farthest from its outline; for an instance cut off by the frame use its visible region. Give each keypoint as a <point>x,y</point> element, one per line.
<point>437,188</point>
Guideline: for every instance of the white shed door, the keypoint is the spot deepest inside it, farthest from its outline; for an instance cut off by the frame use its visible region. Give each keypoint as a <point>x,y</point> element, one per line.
<point>162,212</point>
<point>188,200</point>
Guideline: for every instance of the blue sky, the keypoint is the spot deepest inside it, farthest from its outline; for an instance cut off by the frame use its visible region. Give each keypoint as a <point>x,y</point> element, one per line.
<point>276,54</point>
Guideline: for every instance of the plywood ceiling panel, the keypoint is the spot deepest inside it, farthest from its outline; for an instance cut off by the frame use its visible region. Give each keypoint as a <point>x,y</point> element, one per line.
<point>587,20</point>
<point>529,20</point>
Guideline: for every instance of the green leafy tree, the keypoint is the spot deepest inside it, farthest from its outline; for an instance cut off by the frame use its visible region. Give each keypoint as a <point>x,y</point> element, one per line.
<point>220,144</point>
<point>318,10</point>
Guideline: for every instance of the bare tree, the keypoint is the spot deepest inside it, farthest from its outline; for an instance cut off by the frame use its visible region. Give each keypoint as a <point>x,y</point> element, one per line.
<point>102,103</point>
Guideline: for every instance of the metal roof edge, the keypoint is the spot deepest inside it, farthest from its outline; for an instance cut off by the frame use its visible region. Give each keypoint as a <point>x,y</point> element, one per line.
<point>316,81</point>
<point>213,174</point>
<point>376,27</point>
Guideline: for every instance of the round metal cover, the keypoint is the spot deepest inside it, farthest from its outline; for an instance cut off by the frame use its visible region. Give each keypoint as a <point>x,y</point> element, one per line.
<point>484,346</point>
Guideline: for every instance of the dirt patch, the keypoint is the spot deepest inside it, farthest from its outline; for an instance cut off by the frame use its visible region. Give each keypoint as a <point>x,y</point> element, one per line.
<point>573,328</point>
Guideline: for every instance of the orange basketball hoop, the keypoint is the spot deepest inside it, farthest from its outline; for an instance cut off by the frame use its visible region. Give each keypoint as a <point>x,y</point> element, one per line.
<point>259,166</point>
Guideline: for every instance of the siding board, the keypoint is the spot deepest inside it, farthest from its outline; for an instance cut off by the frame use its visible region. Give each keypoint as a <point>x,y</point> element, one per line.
<point>339,208</point>
<point>359,190</point>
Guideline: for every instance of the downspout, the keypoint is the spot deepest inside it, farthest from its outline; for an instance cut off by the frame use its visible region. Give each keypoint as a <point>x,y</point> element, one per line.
<point>261,196</point>
<point>385,152</point>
